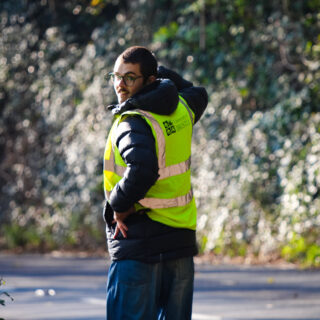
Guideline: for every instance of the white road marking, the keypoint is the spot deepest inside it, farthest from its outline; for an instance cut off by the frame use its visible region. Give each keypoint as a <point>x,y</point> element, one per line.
<point>199,316</point>
<point>95,301</point>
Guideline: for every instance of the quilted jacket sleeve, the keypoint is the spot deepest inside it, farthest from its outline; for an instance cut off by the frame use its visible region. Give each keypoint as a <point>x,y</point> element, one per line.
<point>136,145</point>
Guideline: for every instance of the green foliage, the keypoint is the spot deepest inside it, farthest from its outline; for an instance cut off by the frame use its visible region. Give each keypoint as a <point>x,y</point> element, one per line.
<point>17,236</point>
<point>3,293</point>
<point>166,33</point>
<point>55,235</point>
<point>300,249</point>
<point>256,150</point>
<point>260,131</point>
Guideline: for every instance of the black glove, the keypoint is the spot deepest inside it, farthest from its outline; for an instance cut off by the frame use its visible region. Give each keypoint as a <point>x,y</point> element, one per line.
<point>107,213</point>
<point>180,83</point>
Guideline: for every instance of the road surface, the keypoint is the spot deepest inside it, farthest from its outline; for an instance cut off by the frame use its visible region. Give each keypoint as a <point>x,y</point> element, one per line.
<point>45,287</point>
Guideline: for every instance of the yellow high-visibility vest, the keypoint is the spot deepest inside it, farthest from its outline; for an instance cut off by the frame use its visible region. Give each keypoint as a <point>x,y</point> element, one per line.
<point>170,199</point>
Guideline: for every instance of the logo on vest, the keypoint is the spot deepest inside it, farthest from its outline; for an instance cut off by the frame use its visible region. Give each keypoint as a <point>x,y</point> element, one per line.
<point>170,129</point>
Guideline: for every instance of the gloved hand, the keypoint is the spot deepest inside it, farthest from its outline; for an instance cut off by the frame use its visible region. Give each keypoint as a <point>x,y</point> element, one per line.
<point>180,83</point>
<point>107,213</point>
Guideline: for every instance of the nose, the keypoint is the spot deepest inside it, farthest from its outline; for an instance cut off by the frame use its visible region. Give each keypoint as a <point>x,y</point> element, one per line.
<point>119,85</point>
<point>119,82</point>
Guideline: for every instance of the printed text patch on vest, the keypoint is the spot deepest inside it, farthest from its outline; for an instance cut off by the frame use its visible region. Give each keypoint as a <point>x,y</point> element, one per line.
<point>178,125</point>
<point>169,127</point>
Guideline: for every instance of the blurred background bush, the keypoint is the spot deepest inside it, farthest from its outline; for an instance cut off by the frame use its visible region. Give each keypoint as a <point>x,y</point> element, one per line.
<point>256,163</point>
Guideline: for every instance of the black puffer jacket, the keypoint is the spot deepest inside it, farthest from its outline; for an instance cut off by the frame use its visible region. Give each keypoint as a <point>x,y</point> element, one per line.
<point>147,240</point>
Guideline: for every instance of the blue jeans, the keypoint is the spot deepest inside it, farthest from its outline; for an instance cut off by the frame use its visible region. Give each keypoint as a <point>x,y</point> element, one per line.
<point>160,291</point>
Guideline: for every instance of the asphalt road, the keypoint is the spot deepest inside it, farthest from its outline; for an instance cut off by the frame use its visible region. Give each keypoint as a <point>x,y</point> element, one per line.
<point>62,288</point>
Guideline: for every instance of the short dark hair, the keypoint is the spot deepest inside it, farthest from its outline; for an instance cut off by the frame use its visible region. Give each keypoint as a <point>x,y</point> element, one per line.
<point>146,59</point>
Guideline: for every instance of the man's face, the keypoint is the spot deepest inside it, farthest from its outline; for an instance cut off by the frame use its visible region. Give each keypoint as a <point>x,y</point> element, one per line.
<point>122,89</point>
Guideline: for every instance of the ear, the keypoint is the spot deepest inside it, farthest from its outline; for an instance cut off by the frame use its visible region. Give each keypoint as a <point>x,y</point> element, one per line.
<point>151,79</point>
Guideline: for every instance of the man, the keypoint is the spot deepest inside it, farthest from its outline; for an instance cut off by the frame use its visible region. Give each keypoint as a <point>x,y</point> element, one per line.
<point>150,209</point>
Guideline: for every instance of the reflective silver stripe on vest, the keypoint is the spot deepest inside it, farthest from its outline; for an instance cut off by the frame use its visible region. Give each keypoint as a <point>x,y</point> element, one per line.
<point>156,203</point>
<point>175,169</point>
<point>164,173</point>
<point>160,138</point>
<point>110,165</point>
<point>189,110</point>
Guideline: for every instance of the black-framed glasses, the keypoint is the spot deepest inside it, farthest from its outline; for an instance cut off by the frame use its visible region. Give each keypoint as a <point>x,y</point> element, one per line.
<point>127,78</point>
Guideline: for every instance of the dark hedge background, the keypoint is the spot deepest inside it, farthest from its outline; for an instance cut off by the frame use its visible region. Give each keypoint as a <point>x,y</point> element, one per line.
<point>256,163</point>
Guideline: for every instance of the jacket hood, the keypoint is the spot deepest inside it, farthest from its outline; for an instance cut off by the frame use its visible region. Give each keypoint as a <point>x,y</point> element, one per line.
<point>160,97</point>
